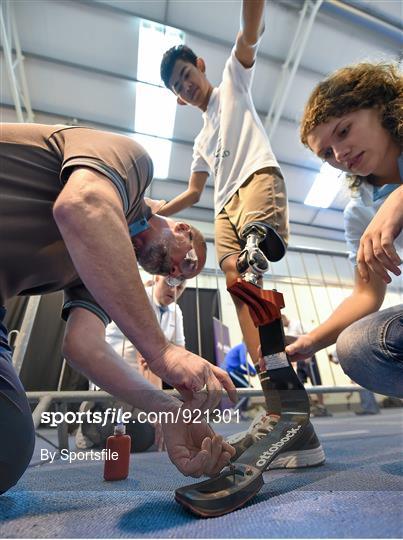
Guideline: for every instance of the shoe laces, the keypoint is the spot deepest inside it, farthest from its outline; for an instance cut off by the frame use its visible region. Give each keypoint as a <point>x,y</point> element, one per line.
<point>262,424</point>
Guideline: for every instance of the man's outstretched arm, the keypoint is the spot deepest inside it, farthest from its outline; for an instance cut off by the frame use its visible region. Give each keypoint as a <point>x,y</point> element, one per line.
<point>252,28</point>
<point>89,215</point>
<point>193,448</point>
<point>188,198</point>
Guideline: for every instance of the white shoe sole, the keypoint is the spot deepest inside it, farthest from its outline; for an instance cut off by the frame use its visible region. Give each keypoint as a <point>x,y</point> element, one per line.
<point>299,459</point>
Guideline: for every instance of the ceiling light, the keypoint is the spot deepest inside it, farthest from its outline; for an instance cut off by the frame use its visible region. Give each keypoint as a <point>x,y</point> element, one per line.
<point>325,187</point>
<point>155,105</point>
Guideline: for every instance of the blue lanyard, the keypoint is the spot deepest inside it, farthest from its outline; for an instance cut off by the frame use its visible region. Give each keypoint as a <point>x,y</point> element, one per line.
<point>138,226</point>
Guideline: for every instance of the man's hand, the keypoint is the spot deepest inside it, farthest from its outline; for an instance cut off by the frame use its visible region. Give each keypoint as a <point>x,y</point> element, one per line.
<point>376,251</point>
<point>190,374</point>
<point>195,450</point>
<point>301,349</point>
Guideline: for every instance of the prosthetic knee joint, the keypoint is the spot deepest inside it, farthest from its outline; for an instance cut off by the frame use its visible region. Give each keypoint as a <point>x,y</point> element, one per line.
<point>252,262</point>
<point>263,244</point>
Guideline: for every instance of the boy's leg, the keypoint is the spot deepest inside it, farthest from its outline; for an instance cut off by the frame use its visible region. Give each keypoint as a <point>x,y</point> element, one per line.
<point>261,198</point>
<point>16,426</point>
<point>249,331</point>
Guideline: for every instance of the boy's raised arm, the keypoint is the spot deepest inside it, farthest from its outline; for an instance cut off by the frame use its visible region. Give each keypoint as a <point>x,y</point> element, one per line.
<point>252,28</point>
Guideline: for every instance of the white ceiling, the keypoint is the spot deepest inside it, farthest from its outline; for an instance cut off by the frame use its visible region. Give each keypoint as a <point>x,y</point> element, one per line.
<point>81,66</point>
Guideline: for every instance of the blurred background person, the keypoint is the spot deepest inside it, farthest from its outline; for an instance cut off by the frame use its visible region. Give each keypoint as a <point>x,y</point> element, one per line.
<point>169,315</point>
<point>306,368</point>
<point>240,370</point>
<point>368,402</point>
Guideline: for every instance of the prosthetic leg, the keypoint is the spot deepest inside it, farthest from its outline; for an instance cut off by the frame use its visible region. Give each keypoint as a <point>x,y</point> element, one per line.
<point>284,394</point>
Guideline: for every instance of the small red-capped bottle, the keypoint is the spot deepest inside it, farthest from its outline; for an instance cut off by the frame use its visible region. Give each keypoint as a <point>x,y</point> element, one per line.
<point>118,443</point>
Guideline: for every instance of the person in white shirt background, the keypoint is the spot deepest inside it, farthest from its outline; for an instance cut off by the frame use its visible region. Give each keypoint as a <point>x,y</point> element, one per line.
<point>163,299</point>
<point>306,368</point>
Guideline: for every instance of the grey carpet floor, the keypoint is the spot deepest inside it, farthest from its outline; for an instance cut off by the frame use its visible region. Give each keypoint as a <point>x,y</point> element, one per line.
<point>356,494</point>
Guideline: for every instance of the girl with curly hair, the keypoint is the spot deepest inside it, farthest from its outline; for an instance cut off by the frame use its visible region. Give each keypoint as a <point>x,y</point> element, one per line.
<point>353,120</point>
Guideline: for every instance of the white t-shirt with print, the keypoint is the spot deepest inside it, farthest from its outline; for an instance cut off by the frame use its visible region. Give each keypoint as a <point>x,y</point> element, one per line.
<point>171,323</point>
<point>360,211</point>
<point>233,143</point>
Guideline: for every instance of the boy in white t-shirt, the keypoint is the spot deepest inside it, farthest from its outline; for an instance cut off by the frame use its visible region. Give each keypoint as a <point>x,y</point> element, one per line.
<point>234,148</point>
<point>248,185</point>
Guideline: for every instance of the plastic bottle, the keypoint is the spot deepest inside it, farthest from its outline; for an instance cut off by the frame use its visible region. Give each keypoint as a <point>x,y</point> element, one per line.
<point>118,442</point>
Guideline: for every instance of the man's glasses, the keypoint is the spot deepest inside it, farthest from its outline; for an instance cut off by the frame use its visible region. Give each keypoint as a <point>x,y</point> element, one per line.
<point>187,266</point>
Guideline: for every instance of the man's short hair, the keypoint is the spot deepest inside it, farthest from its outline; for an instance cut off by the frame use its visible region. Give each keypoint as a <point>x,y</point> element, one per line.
<point>179,52</point>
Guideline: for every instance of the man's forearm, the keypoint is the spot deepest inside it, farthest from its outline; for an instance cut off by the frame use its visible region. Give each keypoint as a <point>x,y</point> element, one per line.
<point>102,365</point>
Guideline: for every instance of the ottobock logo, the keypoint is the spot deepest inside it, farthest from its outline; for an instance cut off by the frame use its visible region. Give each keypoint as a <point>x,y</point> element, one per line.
<point>264,458</point>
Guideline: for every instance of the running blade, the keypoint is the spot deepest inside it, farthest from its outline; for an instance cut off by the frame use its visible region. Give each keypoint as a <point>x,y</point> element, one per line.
<point>220,495</point>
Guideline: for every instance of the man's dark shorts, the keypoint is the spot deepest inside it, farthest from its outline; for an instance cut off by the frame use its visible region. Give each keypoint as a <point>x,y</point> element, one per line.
<point>17,438</point>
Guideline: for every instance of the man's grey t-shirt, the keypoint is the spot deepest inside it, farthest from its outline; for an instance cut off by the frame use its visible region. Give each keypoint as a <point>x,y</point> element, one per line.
<point>35,163</point>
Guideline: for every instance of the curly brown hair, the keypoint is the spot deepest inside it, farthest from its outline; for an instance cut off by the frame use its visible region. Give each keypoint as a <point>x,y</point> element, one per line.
<point>360,86</point>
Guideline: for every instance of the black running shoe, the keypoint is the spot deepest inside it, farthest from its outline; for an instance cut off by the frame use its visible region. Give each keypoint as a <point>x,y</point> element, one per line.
<point>306,451</point>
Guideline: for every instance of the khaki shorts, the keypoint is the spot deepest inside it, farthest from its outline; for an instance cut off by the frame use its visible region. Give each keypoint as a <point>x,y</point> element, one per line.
<point>262,197</point>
